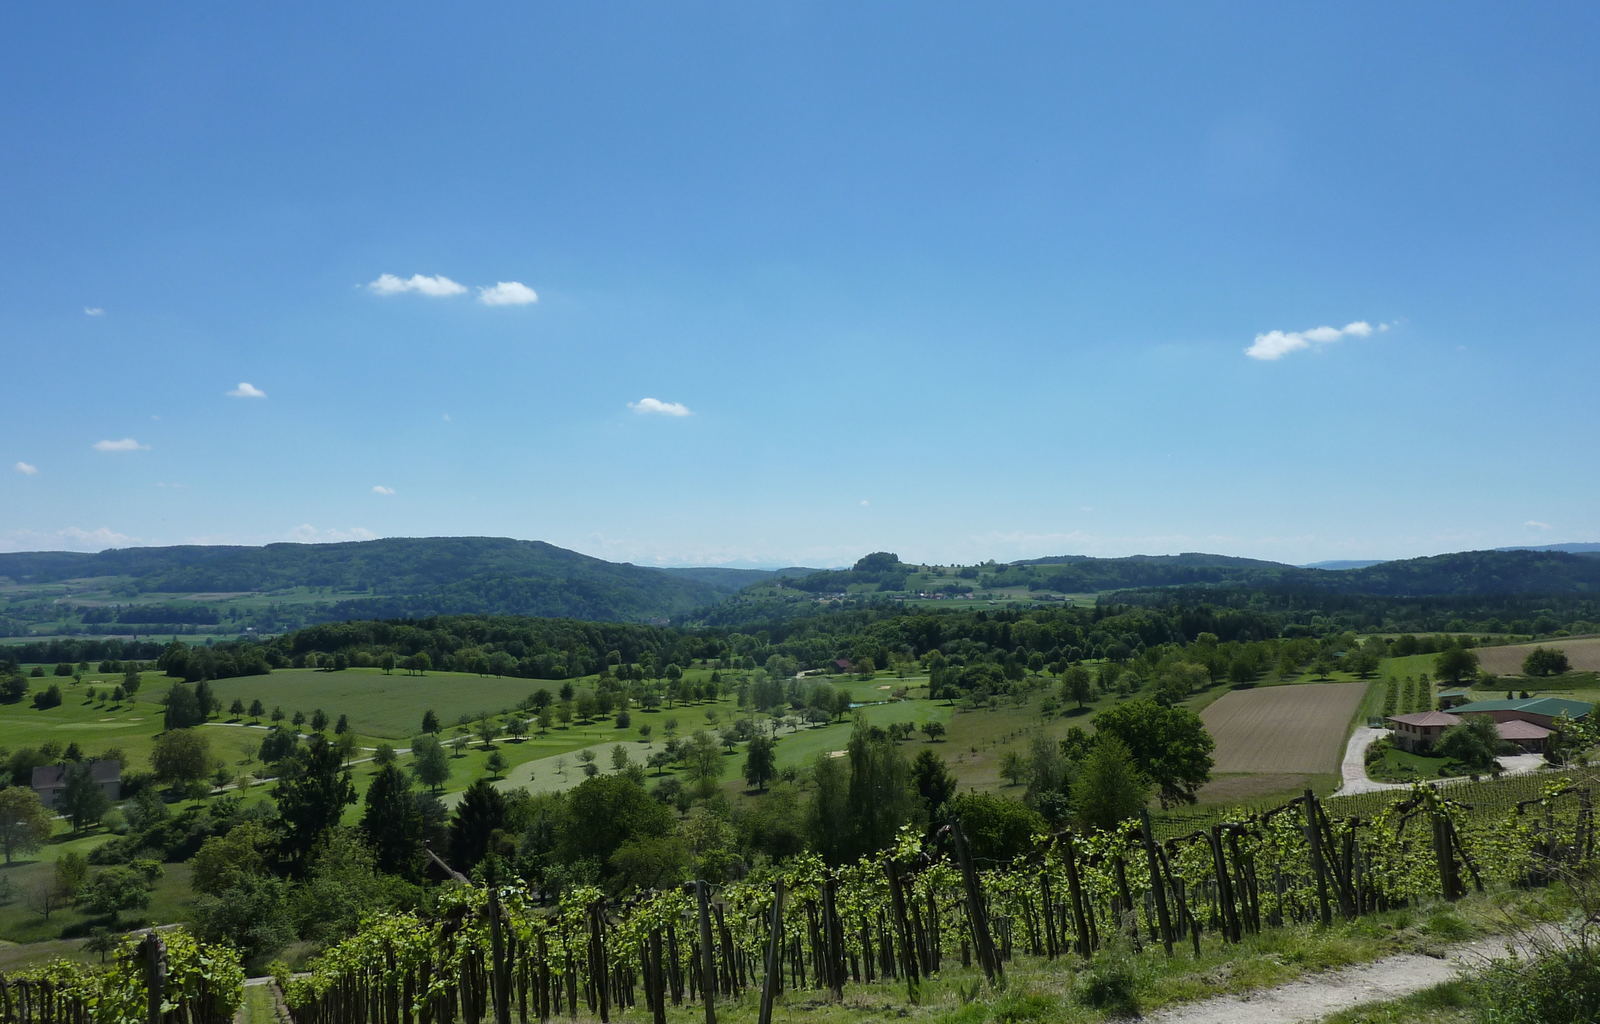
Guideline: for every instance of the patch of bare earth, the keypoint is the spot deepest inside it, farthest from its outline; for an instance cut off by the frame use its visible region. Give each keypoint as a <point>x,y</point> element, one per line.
<point>1282,729</point>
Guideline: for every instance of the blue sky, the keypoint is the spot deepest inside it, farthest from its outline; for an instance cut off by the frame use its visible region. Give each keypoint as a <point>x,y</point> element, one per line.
<point>788,282</point>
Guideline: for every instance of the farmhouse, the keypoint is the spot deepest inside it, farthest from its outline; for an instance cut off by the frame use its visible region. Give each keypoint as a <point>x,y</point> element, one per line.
<point>1527,723</point>
<point>1420,731</point>
<point>1453,698</point>
<point>50,780</point>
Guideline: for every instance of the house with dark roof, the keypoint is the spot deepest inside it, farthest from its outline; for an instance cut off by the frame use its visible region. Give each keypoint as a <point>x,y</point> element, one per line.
<point>50,780</point>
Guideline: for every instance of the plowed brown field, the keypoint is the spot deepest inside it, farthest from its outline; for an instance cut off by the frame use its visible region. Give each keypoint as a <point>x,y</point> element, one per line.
<point>1283,728</point>
<point>1583,655</point>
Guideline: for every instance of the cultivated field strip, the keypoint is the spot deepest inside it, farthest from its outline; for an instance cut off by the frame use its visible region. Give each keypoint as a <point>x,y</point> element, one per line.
<point>1583,655</point>
<point>1283,728</point>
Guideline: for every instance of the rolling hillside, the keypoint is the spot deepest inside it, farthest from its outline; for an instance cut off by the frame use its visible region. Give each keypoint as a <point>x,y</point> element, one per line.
<point>227,589</point>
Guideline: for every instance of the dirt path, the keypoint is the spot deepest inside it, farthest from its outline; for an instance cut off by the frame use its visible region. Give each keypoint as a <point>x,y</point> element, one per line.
<point>1319,995</point>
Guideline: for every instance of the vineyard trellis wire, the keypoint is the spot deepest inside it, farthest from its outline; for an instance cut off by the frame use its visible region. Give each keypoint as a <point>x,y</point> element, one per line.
<point>911,911</point>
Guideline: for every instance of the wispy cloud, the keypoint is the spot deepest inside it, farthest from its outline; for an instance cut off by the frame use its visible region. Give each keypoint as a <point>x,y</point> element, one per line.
<point>1274,345</point>
<point>656,407</point>
<point>26,468</point>
<point>507,293</point>
<point>305,533</point>
<point>246,390</point>
<point>437,286</point>
<point>70,538</point>
<point>380,489</point>
<point>126,444</point>
<point>93,311</point>
<point>1535,524</point>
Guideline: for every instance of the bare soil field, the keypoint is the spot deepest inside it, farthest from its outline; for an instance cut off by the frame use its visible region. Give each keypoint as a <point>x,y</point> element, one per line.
<point>1283,729</point>
<point>1583,654</point>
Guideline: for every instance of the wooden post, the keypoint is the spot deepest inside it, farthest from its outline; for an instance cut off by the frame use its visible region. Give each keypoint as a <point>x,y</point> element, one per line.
<point>708,953</point>
<point>1314,839</point>
<point>907,949</point>
<point>832,934</point>
<point>500,970</point>
<point>1157,884</point>
<point>977,916</point>
<point>769,984</point>
<point>598,972</point>
<point>155,974</point>
<point>655,980</point>
<point>1080,919</point>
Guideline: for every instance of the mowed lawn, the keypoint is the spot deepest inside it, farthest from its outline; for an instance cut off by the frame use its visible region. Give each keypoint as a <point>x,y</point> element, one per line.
<point>1583,655</point>
<point>382,706</point>
<point>1282,729</point>
<point>99,726</point>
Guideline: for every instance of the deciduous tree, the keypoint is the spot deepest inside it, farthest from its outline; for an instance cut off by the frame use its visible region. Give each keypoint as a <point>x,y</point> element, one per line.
<point>1169,746</point>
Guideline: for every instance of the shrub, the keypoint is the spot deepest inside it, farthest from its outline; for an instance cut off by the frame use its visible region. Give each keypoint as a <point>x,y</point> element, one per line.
<point>1556,988</point>
<point>1110,982</point>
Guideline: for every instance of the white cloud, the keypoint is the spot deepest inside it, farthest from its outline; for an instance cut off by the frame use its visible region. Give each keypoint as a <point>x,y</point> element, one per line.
<point>380,489</point>
<point>1277,344</point>
<point>656,407</point>
<point>26,468</point>
<point>305,533</point>
<point>1537,525</point>
<point>437,286</point>
<point>70,538</point>
<point>93,311</point>
<point>246,390</point>
<point>446,417</point>
<point>508,293</point>
<point>127,444</point>
<point>865,503</point>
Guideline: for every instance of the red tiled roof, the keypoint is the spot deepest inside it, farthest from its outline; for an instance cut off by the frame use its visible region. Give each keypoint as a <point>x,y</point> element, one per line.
<point>1425,718</point>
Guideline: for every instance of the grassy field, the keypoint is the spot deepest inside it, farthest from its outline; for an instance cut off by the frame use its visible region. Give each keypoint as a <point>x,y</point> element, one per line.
<point>1583,654</point>
<point>99,726</point>
<point>382,706</point>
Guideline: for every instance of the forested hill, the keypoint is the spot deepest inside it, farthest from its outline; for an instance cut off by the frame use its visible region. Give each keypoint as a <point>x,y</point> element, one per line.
<point>1464,573</point>
<point>382,578</point>
<point>1461,574</point>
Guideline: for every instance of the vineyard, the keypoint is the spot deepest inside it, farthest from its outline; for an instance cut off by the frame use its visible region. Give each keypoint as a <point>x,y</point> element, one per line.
<point>494,952</point>
<point>912,911</point>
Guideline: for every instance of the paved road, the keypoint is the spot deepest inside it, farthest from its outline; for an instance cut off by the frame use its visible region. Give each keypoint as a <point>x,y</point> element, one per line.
<point>1353,770</point>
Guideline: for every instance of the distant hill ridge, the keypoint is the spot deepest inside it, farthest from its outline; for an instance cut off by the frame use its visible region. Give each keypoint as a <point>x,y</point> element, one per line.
<point>403,576</point>
<point>1514,571</point>
<point>149,589</point>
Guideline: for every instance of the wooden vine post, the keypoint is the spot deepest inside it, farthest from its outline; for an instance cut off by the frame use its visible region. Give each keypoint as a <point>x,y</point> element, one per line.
<point>977,916</point>
<point>708,954</point>
<point>1157,884</point>
<point>769,984</point>
<point>1318,866</point>
<point>153,957</point>
<point>500,969</point>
